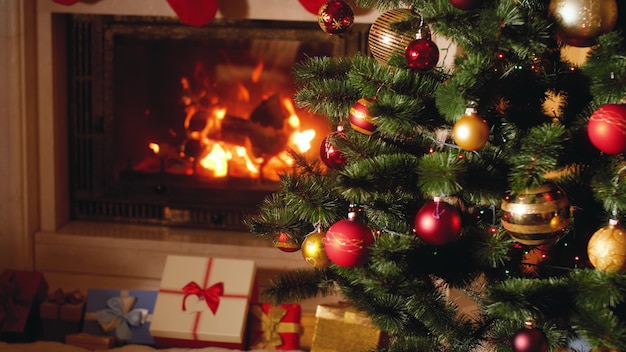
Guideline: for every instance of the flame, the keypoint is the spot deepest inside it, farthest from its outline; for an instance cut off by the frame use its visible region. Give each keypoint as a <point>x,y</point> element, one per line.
<point>302,140</point>
<point>256,73</point>
<point>243,94</point>
<point>154,147</point>
<point>216,161</point>
<point>242,153</point>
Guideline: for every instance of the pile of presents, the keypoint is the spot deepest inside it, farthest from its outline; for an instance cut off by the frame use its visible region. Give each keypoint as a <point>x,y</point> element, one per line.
<point>201,302</point>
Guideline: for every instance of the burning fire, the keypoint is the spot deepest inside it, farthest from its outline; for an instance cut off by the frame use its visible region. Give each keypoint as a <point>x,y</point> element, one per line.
<point>219,145</point>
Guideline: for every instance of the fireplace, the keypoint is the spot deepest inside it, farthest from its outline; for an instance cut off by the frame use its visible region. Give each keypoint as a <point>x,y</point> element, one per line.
<point>186,126</point>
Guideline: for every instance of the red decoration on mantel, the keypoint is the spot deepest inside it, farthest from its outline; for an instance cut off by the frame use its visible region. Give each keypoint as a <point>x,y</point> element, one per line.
<point>313,6</point>
<point>194,12</point>
<point>66,2</point>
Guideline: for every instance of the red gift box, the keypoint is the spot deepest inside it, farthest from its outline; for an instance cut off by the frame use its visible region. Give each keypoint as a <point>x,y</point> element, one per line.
<point>21,293</point>
<point>61,314</point>
<point>275,327</point>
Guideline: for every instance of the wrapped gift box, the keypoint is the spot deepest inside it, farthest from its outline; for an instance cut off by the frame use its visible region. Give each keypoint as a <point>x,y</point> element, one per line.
<point>90,342</point>
<point>203,302</point>
<point>340,328</point>
<point>122,314</point>
<point>21,293</point>
<point>275,327</point>
<point>62,314</point>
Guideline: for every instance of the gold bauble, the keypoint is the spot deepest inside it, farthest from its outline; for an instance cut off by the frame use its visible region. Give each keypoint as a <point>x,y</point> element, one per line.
<point>580,22</point>
<point>383,41</point>
<point>536,216</point>
<point>607,248</point>
<point>313,250</point>
<point>470,132</point>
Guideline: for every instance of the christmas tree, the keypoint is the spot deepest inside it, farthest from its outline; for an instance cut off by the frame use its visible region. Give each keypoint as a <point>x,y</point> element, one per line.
<point>501,175</point>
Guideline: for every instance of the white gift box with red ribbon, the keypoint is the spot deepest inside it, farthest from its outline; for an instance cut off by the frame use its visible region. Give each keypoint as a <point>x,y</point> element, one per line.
<point>203,301</point>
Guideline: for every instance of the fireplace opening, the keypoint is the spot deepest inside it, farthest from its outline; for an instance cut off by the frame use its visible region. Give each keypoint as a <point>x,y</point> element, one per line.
<point>186,126</point>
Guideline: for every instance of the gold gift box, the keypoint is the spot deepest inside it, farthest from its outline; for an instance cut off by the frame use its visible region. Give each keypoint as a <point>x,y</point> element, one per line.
<point>89,341</point>
<point>341,328</point>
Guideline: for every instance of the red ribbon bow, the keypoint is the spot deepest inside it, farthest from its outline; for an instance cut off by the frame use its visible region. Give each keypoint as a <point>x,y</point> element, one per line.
<point>211,294</point>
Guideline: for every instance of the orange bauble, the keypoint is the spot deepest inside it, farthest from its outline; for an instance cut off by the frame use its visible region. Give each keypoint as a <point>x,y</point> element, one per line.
<point>607,248</point>
<point>470,132</point>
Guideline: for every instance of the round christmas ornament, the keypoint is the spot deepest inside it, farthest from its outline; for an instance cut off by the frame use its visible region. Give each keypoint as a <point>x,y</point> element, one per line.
<point>536,216</point>
<point>347,242</point>
<point>335,17</point>
<point>313,250</point>
<point>465,4</point>
<point>285,243</point>
<point>607,248</point>
<point>383,41</point>
<point>421,54</point>
<point>329,154</point>
<point>313,6</point>
<point>580,22</point>
<point>529,339</point>
<point>607,128</point>
<point>470,132</point>
<point>438,223</point>
<point>360,117</point>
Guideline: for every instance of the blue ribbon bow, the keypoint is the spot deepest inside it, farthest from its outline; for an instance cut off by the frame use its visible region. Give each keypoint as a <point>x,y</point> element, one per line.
<point>114,317</point>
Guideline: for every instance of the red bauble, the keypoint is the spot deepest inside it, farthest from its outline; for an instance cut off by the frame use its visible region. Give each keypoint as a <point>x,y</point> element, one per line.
<point>465,4</point>
<point>313,6</point>
<point>329,154</point>
<point>421,54</point>
<point>347,243</point>
<point>335,17</point>
<point>285,243</point>
<point>438,223</point>
<point>194,12</point>
<point>607,128</point>
<point>529,340</point>
<point>360,118</point>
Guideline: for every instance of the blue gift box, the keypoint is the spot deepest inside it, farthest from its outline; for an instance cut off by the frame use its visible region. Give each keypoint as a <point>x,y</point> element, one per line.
<point>123,314</point>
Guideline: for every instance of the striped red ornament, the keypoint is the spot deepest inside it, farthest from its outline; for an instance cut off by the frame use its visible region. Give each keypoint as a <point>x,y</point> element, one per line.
<point>360,118</point>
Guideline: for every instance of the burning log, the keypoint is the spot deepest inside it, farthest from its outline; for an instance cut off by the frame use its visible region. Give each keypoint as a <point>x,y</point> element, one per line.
<point>266,129</point>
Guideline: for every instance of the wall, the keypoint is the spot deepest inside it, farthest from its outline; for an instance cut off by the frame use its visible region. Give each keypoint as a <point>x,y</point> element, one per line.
<point>19,214</point>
